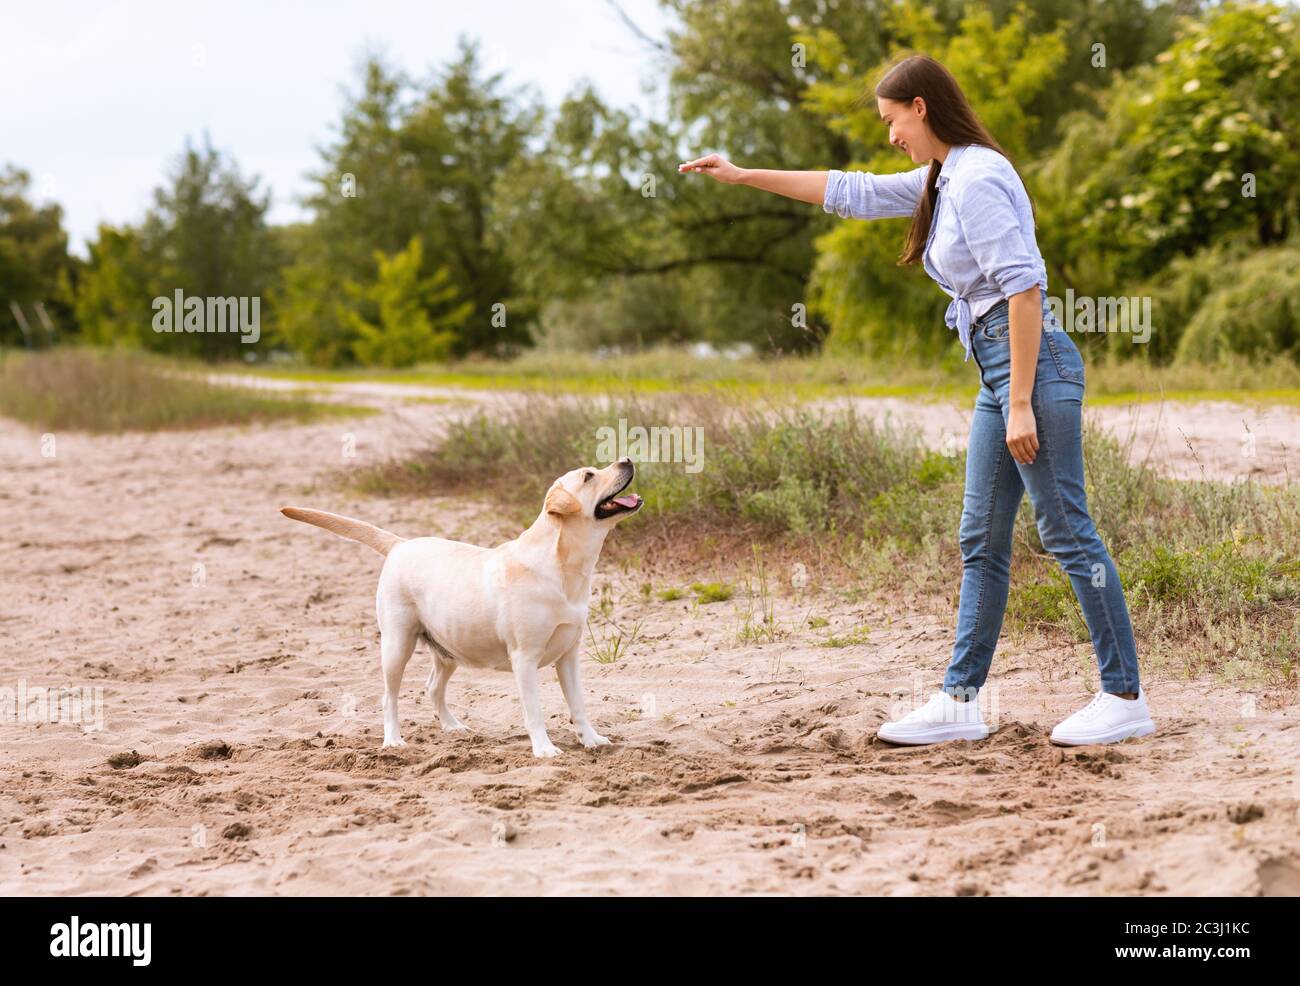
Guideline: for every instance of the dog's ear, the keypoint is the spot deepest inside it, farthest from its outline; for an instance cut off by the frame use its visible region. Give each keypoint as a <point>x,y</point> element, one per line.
<point>560,501</point>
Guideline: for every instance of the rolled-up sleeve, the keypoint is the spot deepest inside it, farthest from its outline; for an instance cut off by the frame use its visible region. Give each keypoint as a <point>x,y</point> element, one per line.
<point>864,195</point>
<point>989,221</point>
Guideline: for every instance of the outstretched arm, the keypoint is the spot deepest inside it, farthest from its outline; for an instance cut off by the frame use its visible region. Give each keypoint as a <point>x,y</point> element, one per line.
<point>848,194</point>
<point>805,186</point>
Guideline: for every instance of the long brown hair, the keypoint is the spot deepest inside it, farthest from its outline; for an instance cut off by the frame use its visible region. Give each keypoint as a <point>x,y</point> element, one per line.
<point>950,116</point>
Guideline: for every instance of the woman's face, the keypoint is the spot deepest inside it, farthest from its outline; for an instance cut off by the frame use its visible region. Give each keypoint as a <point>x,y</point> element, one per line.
<point>908,129</point>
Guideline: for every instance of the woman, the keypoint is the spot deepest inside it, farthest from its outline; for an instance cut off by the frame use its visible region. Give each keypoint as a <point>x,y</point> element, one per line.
<point>973,231</point>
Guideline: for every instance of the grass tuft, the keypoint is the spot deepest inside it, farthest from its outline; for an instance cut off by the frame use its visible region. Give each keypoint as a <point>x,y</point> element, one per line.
<point>108,390</point>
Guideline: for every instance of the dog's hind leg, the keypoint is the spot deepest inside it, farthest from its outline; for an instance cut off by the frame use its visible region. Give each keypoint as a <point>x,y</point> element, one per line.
<point>436,688</point>
<point>397,632</point>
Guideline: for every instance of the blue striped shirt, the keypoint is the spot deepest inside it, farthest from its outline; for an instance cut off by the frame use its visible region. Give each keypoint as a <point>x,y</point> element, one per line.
<point>982,246</point>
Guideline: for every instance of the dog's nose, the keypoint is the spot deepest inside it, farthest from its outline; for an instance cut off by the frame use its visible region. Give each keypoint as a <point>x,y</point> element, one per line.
<point>625,461</point>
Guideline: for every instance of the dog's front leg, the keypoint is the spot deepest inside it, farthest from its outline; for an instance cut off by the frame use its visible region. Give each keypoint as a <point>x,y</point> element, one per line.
<point>570,675</point>
<point>525,668</point>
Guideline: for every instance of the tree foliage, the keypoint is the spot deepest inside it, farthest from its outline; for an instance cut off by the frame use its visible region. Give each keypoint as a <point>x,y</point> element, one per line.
<point>34,262</point>
<point>452,214</point>
<point>1201,145</point>
<point>404,332</point>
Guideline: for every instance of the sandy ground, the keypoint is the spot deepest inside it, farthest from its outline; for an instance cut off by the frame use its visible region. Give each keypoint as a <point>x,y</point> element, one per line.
<point>235,658</point>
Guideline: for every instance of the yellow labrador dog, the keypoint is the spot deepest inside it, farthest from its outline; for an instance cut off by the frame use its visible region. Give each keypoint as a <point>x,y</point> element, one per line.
<point>517,607</point>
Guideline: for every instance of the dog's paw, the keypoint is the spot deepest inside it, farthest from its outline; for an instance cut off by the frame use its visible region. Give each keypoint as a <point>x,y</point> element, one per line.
<point>545,750</point>
<point>455,727</point>
<point>394,742</point>
<point>594,739</point>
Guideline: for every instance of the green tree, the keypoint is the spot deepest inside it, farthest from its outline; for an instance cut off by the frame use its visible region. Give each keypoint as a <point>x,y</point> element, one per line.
<point>207,236</point>
<point>34,261</point>
<point>421,160</point>
<point>113,294</point>
<point>1202,146</point>
<point>310,300</point>
<point>1253,313</point>
<point>1105,38</point>
<point>406,329</point>
<point>588,224</point>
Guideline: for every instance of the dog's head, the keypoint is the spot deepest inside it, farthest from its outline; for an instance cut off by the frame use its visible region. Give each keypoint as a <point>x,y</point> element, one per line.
<point>594,495</point>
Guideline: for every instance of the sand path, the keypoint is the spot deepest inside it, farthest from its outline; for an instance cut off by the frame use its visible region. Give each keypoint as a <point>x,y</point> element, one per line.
<point>234,653</point>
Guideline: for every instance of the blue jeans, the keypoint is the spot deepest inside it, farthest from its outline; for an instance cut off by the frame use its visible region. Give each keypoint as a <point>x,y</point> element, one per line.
<point>995,483</point>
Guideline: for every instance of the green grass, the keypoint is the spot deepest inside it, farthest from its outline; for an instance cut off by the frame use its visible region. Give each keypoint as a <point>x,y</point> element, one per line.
<point>850,639</point>
<point>113,390</point>
<point>1045,603</point>
<point>1210,569</point>
<point>742,384</point>
<point>666,369</point>
<point>711,592</point>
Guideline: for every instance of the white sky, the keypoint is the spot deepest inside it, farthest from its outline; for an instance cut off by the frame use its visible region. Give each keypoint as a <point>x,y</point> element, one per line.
<point>98,98</point>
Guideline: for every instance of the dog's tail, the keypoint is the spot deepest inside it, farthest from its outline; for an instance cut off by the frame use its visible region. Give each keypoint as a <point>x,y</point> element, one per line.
<point>345,527</point>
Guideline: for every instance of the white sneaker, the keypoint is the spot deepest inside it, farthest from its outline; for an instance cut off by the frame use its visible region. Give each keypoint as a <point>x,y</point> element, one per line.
<point>1106,719</point>
<point>942,718</point>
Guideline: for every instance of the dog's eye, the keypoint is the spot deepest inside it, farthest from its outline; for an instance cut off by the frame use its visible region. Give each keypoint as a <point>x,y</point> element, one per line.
<point>587,476</point>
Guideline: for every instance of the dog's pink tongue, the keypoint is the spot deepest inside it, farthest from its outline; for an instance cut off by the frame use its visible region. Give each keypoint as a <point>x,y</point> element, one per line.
<point>626,501</point>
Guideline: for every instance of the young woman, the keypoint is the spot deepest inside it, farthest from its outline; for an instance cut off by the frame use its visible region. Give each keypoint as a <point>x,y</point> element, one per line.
<point>973,231</point>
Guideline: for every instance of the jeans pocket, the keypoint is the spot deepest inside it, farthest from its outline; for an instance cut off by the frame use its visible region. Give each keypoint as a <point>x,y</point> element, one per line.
<point>997,331</point>
<point>1065,354</point>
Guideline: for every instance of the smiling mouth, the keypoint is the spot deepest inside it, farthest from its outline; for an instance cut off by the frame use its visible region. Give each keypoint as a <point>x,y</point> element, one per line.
<point>615,504</point>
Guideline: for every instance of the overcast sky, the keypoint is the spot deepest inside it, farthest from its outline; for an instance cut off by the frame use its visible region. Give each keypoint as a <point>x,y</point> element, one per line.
<point>99,97</point>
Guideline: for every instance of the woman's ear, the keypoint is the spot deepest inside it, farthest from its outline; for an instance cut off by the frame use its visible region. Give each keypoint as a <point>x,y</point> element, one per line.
<point>560,501</point>
<point>919,107</point>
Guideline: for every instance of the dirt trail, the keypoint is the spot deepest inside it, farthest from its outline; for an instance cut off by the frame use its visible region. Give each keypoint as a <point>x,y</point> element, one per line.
<point>237,659</point>
<point>1205,440</point>
<point>1225,441</point>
